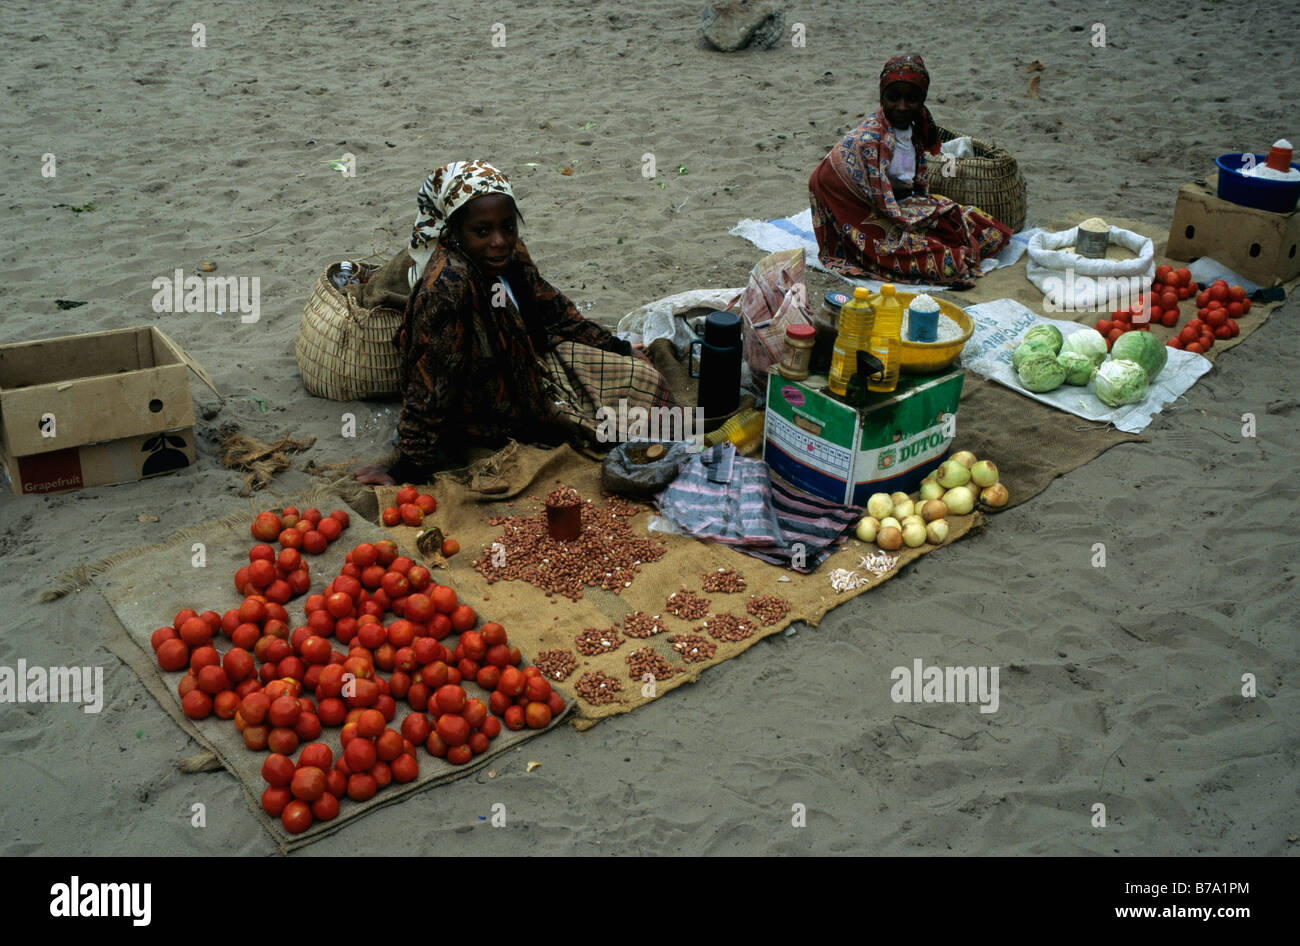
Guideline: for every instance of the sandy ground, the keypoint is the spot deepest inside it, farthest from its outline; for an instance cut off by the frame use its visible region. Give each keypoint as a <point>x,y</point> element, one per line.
<point>1120,686</point>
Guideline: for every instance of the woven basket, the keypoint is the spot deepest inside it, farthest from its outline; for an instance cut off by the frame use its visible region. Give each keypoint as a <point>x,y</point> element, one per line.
<point>991,181</point>
<point>346,352</point>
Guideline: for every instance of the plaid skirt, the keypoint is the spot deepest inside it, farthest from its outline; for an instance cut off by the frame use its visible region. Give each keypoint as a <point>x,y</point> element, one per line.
<point>580,380</point>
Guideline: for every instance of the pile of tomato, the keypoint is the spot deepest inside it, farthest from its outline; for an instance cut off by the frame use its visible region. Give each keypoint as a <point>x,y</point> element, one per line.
<point>281,687</point>
<point>412,506</point>
<point>309,531</point>
<point>1219,306</point>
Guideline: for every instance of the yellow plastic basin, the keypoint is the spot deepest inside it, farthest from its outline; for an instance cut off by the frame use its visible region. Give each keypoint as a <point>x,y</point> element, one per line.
<point>928,357</point>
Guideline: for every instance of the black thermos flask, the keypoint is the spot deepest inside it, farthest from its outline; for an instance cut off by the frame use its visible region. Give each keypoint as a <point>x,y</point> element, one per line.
<point>719,364</point>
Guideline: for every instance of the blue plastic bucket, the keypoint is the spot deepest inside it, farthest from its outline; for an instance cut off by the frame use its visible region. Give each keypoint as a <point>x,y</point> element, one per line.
<point>1259,192</point>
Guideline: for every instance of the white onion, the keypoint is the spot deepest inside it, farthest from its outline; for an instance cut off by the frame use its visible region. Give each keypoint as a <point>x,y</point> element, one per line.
<point>952,473</point>
<point>984,473</point>
<point>914,535</point>
<point>880,505</point>
<point>930,489</point>
<point>867,529</point>
<point>965,458</point>
<point>934,509</point>
<point>904,509</point>
<point>937,531</point>
<point>892,523</point>
<point>995,496</point>
<point>889,538</point>
<point>960,500</point>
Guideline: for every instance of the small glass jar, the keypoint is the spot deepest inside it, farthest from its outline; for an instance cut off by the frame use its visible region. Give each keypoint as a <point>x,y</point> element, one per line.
<point>797,352</point>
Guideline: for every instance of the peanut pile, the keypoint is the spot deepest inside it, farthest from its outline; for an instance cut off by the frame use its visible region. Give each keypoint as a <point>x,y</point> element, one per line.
<point>726,627</point>
<point>563,496</point>
<point>556,664</point>
<point>693,647</point>
<point>725,580</point>
<point>598,688</point>
<point>643,661</point>
<point>768,608</point>
<point>596,640</point>
<point>605,555</point>
<point>641,625</point>
<point>687,605</point>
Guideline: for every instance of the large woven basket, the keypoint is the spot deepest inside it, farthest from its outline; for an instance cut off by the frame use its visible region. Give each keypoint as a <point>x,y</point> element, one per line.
<point>991,181</point>
<point>346,352</point>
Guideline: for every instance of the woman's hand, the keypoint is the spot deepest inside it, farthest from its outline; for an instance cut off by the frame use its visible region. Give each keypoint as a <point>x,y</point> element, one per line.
<point>373,475</point>
<point>640,352</point>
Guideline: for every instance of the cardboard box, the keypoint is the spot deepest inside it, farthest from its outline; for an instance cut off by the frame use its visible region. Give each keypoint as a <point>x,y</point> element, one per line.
<point>825,447</point>
<point>95,409</point>
<point>1255,243</point>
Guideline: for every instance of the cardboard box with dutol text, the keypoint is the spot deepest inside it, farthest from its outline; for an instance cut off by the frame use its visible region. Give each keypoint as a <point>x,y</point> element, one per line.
<point>95,409</point>
<point>825,447</point>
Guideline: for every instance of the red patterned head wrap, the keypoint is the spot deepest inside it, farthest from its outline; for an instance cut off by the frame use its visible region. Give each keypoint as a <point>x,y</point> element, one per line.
<point>911,69</point>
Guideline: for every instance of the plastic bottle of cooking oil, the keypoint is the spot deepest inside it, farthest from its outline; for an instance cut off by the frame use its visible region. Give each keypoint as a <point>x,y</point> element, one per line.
<point>885,337</point>
<point>856,320</point>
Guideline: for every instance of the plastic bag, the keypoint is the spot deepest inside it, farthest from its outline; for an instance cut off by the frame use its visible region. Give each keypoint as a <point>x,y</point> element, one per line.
<point>775,299</point>
<point>627,472</point>
<point>1072,283</point>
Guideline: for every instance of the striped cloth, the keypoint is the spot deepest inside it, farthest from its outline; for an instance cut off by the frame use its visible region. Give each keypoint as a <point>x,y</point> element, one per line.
<point>754,515</point>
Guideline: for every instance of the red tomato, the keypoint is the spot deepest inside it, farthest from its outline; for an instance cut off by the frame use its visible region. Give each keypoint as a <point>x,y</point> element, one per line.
<point>362,786</point>
<point>266,526</point>
<point>512,682</point>
<point>392,516</point>
<point>1114,334</point>
<point>459,755</point>
<point>405,768</point>
<point>556,703</point>
<point>474,713</point>
<point>407,494</point>
<point>1163,273</point>
<point>1189,334</point>
<point>450,698</point>
<point>360,754</point>
<point>416,727</point>
<point>296,817</point>
<point>173,654</point>
<point>282,739</point>
<point>463,618</point>
<point>162,634</point>
<point>1235,328</point>
<point>412,515</point>
<point>330,528</point>
<point>275,799</point>
<point>197,704</point>
<point>435,746</point>
<point>396,585</point>
<point>514,717</point>
<point>339,605</point>
<point>499,702</point>
<point>491,727</point>
<point>1218,292</point>
<point>1184,276</point>
<point>1195,348</point>
<point>325,808</point>
<point>1234,309</point>
<point>308,783</point>
<point>478,743</point>
<point>453,729</point>
<point>538,689</point>
<point>1175,342</point>
<point>389,745</point>
<point>1236,293</point>
<point>537,715</point>
<point>1170,318</point>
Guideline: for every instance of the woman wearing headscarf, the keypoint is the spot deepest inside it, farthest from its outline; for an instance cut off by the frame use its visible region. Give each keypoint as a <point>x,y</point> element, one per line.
<point>871,207</point>
<point>490,349</point>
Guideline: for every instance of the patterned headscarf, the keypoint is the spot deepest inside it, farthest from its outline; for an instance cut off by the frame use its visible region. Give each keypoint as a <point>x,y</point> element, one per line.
<point>447,189</point>
<point>911,69</point>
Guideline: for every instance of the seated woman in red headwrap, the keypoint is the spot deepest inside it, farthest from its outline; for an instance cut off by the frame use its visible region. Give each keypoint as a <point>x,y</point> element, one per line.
<point>871,207</point>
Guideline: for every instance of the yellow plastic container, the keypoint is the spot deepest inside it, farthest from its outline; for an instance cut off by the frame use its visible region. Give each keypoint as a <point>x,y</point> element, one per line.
<point>745,430</point>
<point>885,339</point>
<point>857,319</point>
<point>931,357</point>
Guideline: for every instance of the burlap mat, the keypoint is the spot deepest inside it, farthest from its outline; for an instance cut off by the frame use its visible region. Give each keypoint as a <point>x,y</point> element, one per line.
<point>146,588</point>
<point>537,623</point>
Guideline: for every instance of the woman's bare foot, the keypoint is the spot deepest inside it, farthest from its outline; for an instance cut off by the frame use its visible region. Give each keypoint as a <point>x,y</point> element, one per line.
<point>962,285</point>
<point>374,475</point>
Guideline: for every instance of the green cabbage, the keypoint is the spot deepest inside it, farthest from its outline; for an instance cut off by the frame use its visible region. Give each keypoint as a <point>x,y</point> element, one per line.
<point>1025,349</point>
<point>1079,368</point>
<point>1048,335</point>
<point>1088,342</point>
<point>1121,382</point>
<point>1143,348</point>
<point>1040,373</point>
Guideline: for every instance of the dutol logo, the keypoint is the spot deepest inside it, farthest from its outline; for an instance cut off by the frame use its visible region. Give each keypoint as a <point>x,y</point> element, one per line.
<point>77,899</point>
